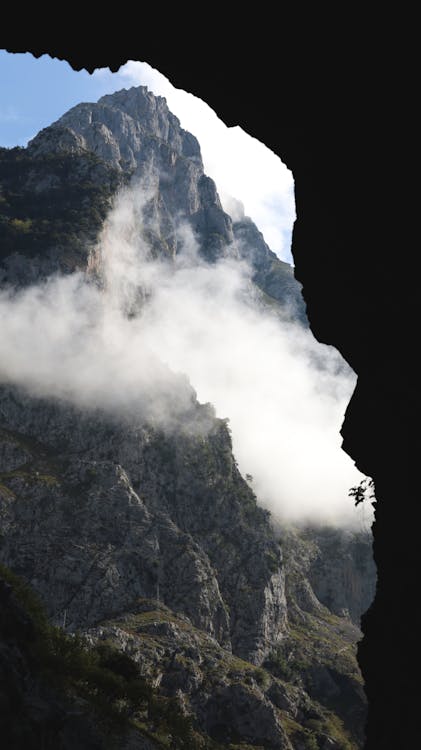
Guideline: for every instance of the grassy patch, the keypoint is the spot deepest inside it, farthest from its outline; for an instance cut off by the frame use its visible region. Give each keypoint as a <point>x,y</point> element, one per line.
<point>31,477</point>
<point>312,736</point>
<point>6,493</point>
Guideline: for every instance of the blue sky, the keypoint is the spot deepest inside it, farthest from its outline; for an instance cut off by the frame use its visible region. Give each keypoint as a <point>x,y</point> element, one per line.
<point>36,92</point>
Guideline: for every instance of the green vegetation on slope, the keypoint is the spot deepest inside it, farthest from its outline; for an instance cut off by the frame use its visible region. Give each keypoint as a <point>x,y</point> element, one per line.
<point>57,200</point>
<point>98,681</point>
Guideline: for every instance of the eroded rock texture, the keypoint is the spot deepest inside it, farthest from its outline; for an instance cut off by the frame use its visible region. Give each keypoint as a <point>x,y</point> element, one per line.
<point>99,512</point>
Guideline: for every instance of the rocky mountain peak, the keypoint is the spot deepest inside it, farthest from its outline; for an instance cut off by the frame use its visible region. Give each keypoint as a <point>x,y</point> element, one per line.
<point>60,188</point>
<point>118,129</point>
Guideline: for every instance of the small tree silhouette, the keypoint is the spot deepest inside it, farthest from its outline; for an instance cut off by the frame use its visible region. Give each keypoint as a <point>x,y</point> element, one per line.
<point>363,491</point>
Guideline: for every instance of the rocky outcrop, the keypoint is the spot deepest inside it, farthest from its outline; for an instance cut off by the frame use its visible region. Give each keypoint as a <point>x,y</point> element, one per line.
<point>336,565</point>
<point>319,649</point>
<point>118,128</point>
<point>180,685</point>
<point>96,512</point>
<point>134,133</point>
<point>342,573</point>
<point>274,277</point>
<point>228,697</point>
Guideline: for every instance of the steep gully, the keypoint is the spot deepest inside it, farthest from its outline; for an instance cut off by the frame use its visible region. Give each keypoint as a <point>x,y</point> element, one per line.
<point>367,313</point>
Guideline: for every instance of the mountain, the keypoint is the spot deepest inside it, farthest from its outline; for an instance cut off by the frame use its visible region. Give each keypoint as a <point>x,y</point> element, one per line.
<point>148,539</point>
<point>56,193</point>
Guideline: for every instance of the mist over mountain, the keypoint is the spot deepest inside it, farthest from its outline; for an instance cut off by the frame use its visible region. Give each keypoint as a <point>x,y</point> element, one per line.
<point>218,305</point>
<point>160,389</point>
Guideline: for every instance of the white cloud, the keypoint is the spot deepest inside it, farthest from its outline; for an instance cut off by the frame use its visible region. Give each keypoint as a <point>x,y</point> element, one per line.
<point>76,342</point>
<point>241,166</point>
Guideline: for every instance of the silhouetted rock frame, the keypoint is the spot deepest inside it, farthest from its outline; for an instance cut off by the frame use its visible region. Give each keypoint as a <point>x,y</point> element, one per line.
<point>329,111</point>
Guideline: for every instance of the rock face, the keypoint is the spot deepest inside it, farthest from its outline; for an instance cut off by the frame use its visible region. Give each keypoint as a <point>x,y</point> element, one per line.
<point>189,691</point>
<point>337,565</point>
<point>342,573</point>
<point>96,513</point>
<point>329,572</point>
<point>104,516</point>
<point>229,697</point>
<point>119,127</point>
